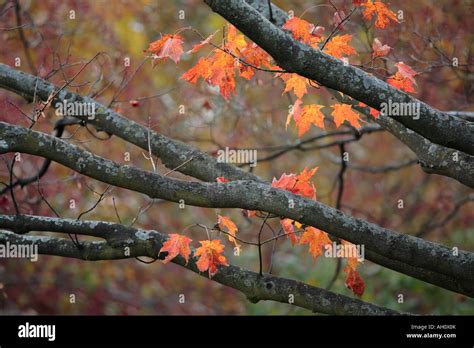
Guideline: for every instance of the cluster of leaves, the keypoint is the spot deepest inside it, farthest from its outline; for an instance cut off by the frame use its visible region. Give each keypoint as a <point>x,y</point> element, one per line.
<point>237,56</point>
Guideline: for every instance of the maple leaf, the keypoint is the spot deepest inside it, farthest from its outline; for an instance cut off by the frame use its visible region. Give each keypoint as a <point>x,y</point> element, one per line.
<point>234,40</point>
<point>316,239</point>
<point>169,46</point>
<point>354,282</point>
<point>204,42</point>
<point>300,29</point>
<point>221,179</point>
<point>176,245</point>
<point>402,83</point>
<point>379,50</point>
<point>305,116</point>
<point>339,46</point>
<point>310,115</point>
<point>201,69</point>
<point>288,228</point>
<point>406,71</point>
<point>255,56</point>
<point>296,83</point>
<point>210,256</point>
<point>297,184</point>
<point>227,224</point>
<point>384,14</point>
<point>353,279</point>
<point>344,112</point>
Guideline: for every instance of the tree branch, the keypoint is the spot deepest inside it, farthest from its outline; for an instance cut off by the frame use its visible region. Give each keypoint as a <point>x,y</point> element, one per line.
<point>148,243</point>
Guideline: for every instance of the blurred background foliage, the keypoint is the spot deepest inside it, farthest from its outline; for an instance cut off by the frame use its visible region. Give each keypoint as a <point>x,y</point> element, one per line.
<point>254,118</point>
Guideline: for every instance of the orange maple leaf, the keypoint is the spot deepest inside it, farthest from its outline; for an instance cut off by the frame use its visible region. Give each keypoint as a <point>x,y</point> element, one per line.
<point>384,14</point>
<point>379,50</point>
<point>316,239</point>
<point>310,115</point>
<point>201,69</point>
<point>169,46</point>
<point>226,223</point>
<point>210,256</point>
<point>234,40</point>
<point>255,56</point>
<point>297,184</point>
<point>402,83</point>
<point>339,46</point>
<point>176,245</point>
<point>288,228</point>
<point>296,83</point>
<point>305,116</point>
<point>344,112</point>
<point>300,29</point>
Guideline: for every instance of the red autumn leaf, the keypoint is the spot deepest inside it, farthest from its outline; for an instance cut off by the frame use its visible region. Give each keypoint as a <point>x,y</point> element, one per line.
<point>316,239</point>
<point>221,179</point>
<point>354,282</point>
<point>379,50</point>
<point>339,46</point>
<point>203,43</point>
<point>252,54</point>
<point>169,46</point>
<point>300,29</point>
<point>210,256</point>
<point>384,14</point>
<point>406,71</point>
<point>176,245</point>
<point>227,224</point>
<point>288,228</point>
<point>344,112</point>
